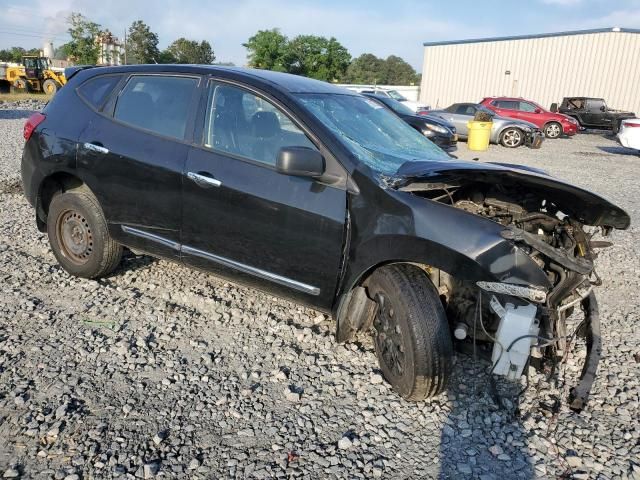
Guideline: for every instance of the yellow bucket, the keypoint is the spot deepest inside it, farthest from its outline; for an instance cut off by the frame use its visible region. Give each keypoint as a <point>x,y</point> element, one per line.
<point>479,135</point>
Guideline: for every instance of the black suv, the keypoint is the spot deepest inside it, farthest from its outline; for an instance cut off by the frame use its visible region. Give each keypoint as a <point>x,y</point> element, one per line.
<point>320,195</point>
<point>594,113</point>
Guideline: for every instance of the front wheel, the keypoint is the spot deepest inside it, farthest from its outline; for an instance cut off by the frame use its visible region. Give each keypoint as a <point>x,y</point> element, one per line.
<point>552,130</point>
<point>512,138</point>
<point>79,237</point>
<point>412,338</point>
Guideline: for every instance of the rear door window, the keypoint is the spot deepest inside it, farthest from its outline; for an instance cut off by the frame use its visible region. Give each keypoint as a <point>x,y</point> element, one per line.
<point>96,90</point>
<point>160,104</point>
<point>506,104</point>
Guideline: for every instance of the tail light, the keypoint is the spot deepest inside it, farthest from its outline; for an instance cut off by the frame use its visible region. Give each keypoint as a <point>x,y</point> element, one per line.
<point>31,124</point>
<point>629,124</point>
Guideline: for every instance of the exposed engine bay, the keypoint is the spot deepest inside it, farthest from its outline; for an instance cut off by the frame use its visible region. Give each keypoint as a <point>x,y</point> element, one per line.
<point>527,324</point>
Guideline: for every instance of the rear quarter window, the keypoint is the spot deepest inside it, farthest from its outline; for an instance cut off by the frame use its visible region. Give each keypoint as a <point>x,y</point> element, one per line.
<point>96,90</point>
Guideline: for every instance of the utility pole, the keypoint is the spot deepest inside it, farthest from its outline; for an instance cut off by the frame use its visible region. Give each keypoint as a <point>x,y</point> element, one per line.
<point>125,46</point>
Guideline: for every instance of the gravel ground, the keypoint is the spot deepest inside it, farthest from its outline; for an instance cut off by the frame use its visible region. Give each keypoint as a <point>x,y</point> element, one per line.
<point>163,371</point>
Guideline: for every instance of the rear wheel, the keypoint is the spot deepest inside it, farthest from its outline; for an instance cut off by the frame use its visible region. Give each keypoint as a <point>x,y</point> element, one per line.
<point>21,84</point>
<point>552,130</point>
<point>511,138</point>
<point>50,86</point>
<point>79,236</point>
<point>412,338</point>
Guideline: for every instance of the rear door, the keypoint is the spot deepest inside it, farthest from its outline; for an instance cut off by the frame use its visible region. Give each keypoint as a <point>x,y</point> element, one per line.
<point>132,155</point>
<point>506,108</point>
<point>244,220</point>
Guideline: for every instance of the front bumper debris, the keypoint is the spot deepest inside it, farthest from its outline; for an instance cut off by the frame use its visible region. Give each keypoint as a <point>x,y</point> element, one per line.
<point>580,393</point>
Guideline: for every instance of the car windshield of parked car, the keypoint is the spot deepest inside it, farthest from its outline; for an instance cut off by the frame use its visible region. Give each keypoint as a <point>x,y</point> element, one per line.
<point>396,95</point>
<point>372,133</point>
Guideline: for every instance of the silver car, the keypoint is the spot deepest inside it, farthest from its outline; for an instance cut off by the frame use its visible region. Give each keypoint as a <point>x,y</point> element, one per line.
<point>508,132</point>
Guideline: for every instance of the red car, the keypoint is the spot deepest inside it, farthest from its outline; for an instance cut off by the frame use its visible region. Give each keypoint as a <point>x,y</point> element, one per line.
<point>552,124</point>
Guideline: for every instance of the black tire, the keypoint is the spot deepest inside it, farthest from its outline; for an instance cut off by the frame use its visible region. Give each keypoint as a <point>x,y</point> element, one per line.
<point>50,86</point>
<point>412,338</point>
<point>78,235</point>
<point>553,130</point>
<point>512,137</point>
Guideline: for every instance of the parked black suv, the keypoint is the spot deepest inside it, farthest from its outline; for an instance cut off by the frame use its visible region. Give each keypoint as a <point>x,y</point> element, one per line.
<point>320,195</point>
<point>594,113</point>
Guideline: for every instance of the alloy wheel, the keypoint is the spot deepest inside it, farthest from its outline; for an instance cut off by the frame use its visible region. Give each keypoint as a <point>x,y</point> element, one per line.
<point>553,130</point>
<point>512,138</point>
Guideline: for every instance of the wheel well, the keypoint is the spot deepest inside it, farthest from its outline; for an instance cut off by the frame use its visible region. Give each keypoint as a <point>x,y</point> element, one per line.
<point>58,182</point>
<point>353,304</point>
<point>550,122</point>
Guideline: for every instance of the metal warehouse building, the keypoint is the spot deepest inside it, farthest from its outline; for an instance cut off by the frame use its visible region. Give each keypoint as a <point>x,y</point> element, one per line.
<point>544,68</point>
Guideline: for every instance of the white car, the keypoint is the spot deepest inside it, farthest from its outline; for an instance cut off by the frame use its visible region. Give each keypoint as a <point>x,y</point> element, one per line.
<point>414,106</point>
<point>629,134</point>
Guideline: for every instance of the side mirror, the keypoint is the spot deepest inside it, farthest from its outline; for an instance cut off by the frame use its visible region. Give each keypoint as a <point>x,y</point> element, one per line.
<point>603,108</point>
<point>300,162</point>
<point>537,110</point>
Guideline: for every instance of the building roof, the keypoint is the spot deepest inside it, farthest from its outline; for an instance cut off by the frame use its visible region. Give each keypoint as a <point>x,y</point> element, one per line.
<point>538,35</point>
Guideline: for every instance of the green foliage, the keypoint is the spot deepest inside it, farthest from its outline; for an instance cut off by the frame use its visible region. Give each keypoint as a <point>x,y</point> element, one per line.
<point>15,54</point>
<point>308,55</point>
<point>142,44</point>
<point>369,69</point>
<point>190,51</point>
<point>324,59</point>
<point>267,49</point>
<point>399,72</point>
<point>83,48</point>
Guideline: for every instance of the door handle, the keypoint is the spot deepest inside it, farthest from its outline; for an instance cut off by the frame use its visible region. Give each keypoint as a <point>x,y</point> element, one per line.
<point>205,181</point>
<point>96,148</point>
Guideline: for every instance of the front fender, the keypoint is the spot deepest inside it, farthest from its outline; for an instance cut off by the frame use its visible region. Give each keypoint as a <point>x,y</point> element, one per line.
<point>461,244</point>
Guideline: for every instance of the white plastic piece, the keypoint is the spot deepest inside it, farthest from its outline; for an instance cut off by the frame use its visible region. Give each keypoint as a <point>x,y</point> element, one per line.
<point>517,322</point>
<point>461,331</point>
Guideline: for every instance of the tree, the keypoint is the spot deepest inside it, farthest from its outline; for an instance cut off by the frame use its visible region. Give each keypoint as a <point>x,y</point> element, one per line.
<point>367,68</point>
<point>267,49</point>
<point>82,48</point>
<point>190,51</point>
<point>316,57</point>
<point>399,72</point>
<point>15,54</point>
<point>142,44</point>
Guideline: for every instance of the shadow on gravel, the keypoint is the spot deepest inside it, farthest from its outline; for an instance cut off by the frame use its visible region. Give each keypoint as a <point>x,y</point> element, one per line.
<point>132,262</point>
<point>620,151</point>
<point>483,436</point>
<point>6,114</point>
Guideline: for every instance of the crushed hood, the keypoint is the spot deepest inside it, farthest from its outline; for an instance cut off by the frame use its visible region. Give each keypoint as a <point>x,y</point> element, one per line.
<point>583,205</point>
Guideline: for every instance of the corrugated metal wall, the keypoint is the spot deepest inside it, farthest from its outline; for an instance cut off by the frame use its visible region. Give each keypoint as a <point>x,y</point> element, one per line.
<point>545,70</point>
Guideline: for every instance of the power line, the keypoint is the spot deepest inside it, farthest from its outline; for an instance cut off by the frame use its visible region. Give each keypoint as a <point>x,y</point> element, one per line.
<point>42,36</point>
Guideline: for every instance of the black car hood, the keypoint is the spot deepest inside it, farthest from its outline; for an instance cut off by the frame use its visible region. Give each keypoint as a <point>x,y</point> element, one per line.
<point>585,206</point>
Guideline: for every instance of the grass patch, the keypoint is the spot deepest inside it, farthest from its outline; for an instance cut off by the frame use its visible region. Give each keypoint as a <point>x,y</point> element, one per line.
<point>13,97</point>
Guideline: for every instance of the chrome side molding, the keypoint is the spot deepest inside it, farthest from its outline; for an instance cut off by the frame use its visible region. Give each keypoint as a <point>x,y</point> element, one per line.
<point>151,236</point>
<point>256,272</point>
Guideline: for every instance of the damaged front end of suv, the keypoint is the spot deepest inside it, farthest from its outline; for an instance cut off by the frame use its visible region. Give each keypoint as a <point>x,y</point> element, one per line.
<point>559,227</point>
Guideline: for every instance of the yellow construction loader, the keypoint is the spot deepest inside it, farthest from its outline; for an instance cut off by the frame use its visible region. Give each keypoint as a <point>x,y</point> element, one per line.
<point>34,75</point>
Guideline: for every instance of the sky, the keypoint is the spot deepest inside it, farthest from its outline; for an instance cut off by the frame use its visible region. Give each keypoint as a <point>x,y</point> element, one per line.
<point>383,28</point>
